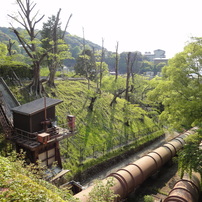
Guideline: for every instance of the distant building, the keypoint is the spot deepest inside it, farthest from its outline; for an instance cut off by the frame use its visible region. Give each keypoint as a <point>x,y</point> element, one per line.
<point>160,60</point>
<point>112,73</point>
<point>156,57</point>
<point>149,74</point>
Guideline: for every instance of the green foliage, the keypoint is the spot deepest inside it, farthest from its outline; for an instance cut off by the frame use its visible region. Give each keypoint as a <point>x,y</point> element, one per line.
<point>102,131</point>
<point>180,89</point>
<point>19,183</point>
<point>22,70</point>
<point>44,71</point>
<point>146,66</point>
<point>102,192</point>
<point>86,65</point>
<point>110,85</point>
<point>5,145</point>
<point>3,51</point>
<point>190,158</point>
<point>52,41</point>
<point>148,198</point>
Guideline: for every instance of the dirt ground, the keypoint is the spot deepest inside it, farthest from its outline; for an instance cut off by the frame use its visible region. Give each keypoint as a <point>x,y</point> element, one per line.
<point>158,186</point>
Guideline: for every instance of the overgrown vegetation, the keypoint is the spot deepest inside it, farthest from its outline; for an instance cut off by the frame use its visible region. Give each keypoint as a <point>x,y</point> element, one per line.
<point>21,182</point>
<point>104,132</point>
<point>190,158</point>
<point>115,116</point>
<point>101,133</point>
<point>102,192</point>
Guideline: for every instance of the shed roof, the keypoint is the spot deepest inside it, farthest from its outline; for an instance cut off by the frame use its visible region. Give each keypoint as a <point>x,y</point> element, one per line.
<point>36,106</point>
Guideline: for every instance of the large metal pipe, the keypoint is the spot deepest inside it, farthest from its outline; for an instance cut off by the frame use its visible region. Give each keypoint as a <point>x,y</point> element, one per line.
<point>128,178</point>
<point>186,189</point>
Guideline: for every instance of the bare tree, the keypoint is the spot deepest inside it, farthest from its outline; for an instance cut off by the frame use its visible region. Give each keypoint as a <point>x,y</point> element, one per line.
<point>85,66</point>
<point>9,47</point>
<point>133,60</point>
<point>28,22</point>
<point>101,63</point>
<point>117,61</point>
<point>128,62</point>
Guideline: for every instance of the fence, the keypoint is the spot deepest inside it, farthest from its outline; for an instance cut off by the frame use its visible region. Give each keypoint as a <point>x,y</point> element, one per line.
<point>98,150</point>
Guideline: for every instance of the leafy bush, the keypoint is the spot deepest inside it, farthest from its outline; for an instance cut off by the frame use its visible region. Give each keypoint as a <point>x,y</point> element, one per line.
<point>148,198</point>
<point>22,70</point>
<point>102,192</point>
<point>102,131</point>
<point>19,183</point>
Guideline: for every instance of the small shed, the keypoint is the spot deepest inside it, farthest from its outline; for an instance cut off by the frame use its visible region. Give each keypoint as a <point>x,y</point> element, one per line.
<point>30,116</point>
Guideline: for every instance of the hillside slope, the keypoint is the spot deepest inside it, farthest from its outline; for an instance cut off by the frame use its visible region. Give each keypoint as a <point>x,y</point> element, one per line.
<point>103,131</point>
<point>19,184</point>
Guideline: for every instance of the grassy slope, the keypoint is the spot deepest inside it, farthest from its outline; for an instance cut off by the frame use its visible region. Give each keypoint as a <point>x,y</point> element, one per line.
<point>104,131</point>
<point>15,185</point>
<point>101,130</point>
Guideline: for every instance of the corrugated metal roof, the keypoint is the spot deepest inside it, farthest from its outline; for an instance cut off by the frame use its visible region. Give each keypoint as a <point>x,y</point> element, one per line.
<point>36,106</point>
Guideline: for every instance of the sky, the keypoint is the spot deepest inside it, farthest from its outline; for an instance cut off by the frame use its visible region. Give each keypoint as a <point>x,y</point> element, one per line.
<point>137,25</point>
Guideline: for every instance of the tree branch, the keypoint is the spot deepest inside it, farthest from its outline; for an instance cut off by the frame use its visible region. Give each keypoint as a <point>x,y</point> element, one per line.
<point>23,43</point>
<point>66,26</point>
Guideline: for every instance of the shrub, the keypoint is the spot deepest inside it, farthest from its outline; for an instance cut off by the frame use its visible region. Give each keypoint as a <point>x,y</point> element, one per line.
<point>22,70</point>
<point>148,198</point>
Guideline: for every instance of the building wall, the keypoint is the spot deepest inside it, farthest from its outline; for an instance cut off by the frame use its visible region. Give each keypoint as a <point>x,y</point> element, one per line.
<point>36,119</point>
<point>32,123</point>
<point>21,121</point>
<point>157,54</point>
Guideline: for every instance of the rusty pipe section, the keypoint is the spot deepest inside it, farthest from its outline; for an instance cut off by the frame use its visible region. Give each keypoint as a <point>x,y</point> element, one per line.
<point>186,189</point>
<point>130,177</point>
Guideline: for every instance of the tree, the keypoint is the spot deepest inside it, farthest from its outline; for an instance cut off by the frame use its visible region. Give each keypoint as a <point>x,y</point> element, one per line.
<point>101,70</point>
<point>103,192</point>
<point>47,35</point>
<point>180,94</point>
<point>3,52</point>
<point>146,66</point>
<point>30,42</point>
<point>117,61</point>
<point>75,51</point>
<point>9,47</point>
<point>86,65</point>
<point>53,38</point>
<point>128,61</point>
<point>190,158</point>
<point>158,67</point>
<point>179,91</point>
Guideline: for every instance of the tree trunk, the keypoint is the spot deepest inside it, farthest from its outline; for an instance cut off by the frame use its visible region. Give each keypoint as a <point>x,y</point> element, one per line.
<point>101,62</point>
<point>128,76</point>
<point>134,59</point>
<point>117,62</point>
<point>54,65</point>
<point>35,86</point>
<point>51,80</point>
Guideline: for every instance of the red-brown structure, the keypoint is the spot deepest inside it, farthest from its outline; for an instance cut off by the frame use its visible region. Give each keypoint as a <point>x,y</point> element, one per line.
<point>32,127</point>
<point>186,189</point>
<point>35,131</point>
<point>130,177</point>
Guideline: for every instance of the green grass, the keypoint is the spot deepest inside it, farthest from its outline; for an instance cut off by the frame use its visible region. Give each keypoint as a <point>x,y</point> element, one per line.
<point>19,184</point>
<point>101,130</point>
<point>104,132</point>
